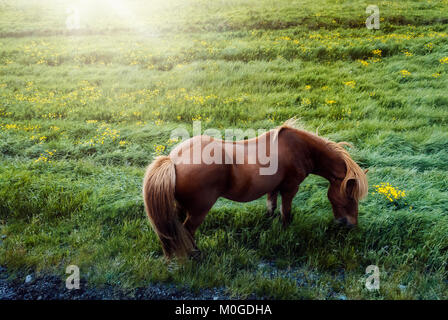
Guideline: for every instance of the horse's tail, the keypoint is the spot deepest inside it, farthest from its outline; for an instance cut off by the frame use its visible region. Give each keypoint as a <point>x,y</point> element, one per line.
<point>160,205</point>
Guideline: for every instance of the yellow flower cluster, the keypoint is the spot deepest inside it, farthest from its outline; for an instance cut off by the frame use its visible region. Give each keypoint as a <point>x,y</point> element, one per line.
<point>14,126</point>
<point>199,99</point>
<point>350,84</point>
<point>444,60</point>
<point>429,46</point>
<point>377,52</point>
<point>141,123</point>
<point>159,149</point>
<point>85,94</point>
<point>405,73</point>
<point>306,101</point>
<point>4,113</point>
<point>41,52</point>
<point>139,96</point>
<point>334,39</point>
<point>172,141</point>
<point>45,157</point>
<point>58,104</point>
<point>363,62</point>
<point>41,139</point>
<point>390,192</point>
<point>344,112</point>
<point>51,115</point>
<point>199,118</point>
<point>104,133</point>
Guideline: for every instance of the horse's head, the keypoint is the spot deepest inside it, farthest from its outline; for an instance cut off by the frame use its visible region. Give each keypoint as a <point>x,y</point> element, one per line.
<point>344,203</point>
<point>348,184</point>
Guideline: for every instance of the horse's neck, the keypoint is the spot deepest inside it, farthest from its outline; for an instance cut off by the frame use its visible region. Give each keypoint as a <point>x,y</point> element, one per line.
<point>326,162</point>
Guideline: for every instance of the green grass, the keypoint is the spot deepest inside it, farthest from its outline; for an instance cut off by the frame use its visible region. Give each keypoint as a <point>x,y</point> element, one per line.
<point>72,96</point>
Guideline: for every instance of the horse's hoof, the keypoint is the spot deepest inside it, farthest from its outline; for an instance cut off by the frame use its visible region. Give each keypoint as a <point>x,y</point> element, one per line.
<point>286,223</point>
<point>196,255</point>
<point>270,215</point>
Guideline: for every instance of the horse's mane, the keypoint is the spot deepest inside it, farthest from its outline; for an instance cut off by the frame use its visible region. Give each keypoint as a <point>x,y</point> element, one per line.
<point>353,170</point>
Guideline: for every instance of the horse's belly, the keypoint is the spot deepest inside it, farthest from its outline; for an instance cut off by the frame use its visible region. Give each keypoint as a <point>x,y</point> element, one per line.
<point>244,197</point>
<point>251,188</point>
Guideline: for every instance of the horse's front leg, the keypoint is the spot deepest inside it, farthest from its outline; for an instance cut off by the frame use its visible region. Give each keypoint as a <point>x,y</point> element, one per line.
<point>271,203</point>
<point>287,196</point>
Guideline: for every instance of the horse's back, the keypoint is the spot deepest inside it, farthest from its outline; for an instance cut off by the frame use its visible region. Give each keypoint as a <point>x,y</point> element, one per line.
<point>197,183</point>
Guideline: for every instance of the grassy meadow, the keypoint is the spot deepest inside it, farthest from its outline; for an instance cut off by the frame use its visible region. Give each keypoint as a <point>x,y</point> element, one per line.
<point>82,112</point>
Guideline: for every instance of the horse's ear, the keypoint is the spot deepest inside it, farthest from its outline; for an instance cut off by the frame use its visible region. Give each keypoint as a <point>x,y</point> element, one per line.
<point>365,171</point>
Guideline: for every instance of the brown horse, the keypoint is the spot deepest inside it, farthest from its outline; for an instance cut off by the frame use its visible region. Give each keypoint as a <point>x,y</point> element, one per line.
<point>175,184</point>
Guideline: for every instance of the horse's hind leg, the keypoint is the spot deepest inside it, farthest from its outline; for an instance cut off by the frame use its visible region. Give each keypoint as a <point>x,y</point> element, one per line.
<point>271,203</point>
<point>193,221</point>
<point>197,208</point>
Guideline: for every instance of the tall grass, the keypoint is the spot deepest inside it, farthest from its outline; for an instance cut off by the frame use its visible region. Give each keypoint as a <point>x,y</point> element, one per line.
<point>83,112</point>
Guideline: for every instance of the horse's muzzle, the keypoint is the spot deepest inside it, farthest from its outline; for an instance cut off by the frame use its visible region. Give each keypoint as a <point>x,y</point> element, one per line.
<point>344,222</point>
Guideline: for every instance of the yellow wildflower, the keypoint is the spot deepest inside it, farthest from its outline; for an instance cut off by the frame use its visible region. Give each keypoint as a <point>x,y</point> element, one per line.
<point>350,84</point>
<point>405,73</point>
<point>364,63</point>
<point>159,149</point>
<point>390,192</point>
<point>377,52</point>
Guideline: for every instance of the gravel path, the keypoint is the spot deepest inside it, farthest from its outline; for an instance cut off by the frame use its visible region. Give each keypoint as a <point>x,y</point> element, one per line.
<point>50,287</point>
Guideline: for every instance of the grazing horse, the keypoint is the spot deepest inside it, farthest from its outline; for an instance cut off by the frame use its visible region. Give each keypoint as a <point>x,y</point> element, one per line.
<point>174,185</point>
